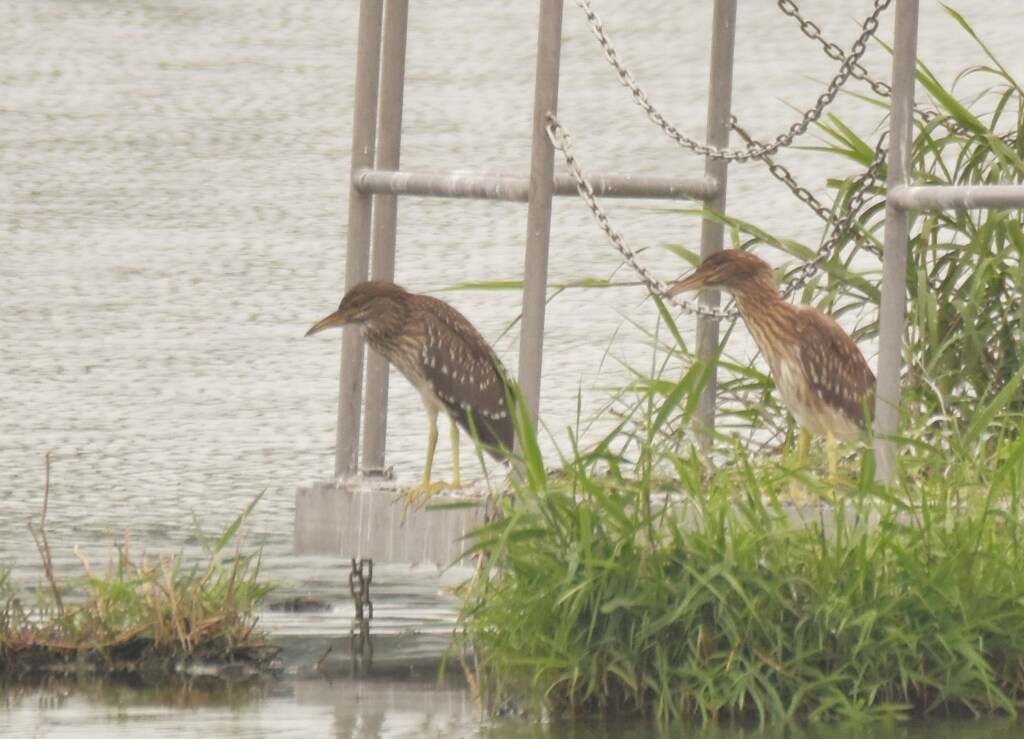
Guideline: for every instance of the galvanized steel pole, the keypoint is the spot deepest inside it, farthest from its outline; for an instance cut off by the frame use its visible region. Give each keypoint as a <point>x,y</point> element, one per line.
<point>385,218</point>
<point>893,306</point>
<point>950,197</point>
<point>723,41</point>
<point>357,252</point>
<point>538,217</point>
<point>516,188</point>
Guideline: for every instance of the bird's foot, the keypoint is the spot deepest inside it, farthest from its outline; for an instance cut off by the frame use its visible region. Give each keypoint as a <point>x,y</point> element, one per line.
<point>799,495</point>
<point>806,491</point>
<point>419,496</point>
<point>839,487</point>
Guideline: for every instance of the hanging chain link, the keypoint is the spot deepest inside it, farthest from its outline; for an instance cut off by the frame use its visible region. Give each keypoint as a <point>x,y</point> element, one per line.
<point>862,187</point>
<point>360,643</point>
<point>784,176</point>
<point>560,140</point>
<point>800,192</point>
<point>359,579</point>
<point>864,184</point>
<point>883,89</point>
<point>813,31</point>
<point>754,150</point>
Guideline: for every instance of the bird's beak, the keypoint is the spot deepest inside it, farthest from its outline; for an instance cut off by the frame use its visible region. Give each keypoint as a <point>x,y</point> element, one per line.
<point>693,282</point>
<point>338,318</point>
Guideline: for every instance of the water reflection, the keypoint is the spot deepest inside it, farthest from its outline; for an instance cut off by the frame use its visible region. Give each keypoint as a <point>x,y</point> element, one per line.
<point>55,692</point>
<point>392,703</point>
<point>396,703</point>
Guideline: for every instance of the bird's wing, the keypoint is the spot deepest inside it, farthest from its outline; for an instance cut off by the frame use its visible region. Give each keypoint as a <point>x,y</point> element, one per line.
<point>469,379</point>
<point>835,366</point>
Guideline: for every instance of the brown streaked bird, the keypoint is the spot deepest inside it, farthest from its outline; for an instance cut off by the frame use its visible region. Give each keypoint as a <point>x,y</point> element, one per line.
<point>442,355</point>
<point>822,376</point>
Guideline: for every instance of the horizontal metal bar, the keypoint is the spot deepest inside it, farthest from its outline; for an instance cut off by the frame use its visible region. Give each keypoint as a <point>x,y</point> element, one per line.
<point>643,186</point>
<point>949,197</point>
<point>516,188</point>
<point>441,184</point>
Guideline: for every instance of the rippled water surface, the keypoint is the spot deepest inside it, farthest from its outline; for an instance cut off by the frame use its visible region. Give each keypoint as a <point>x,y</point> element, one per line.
<point>172,218</point>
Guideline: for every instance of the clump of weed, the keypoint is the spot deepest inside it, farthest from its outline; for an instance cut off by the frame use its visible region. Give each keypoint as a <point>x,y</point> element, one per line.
<point>151,614</point>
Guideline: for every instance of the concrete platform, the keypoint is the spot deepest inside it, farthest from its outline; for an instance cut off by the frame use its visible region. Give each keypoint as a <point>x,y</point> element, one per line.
<point>362,518</point>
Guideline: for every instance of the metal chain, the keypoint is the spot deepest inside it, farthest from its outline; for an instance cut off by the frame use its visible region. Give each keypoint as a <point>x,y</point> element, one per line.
<point>359,587</point>
<point>757,149</point>
<point>784,176</point>
<point>801,193</point>
<point>560,140</point>
<point>863,185</point>
<point>812,31</point>
<point>359,579</point>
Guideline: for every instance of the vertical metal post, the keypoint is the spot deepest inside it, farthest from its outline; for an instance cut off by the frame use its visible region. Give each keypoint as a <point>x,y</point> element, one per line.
<point>385,217</point>
<point>538,218</point>
<point>893,306</point>
<point>357,252</point>
<point>723,41</point>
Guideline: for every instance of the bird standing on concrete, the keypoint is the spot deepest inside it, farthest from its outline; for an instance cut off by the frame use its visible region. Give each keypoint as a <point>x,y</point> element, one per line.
<point>443,356</point>
<point>822,376</point>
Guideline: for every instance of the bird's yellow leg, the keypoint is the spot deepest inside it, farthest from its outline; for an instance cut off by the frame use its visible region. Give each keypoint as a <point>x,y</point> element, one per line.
<point>428,466</point>
<point>833,457</point>
<point>456,471</point>
<point>803,448</point>
<point>426,488</point>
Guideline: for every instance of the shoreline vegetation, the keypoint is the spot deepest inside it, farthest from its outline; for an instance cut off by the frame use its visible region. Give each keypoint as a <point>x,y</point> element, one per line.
<point>597,594</point>
<point>151,619</point>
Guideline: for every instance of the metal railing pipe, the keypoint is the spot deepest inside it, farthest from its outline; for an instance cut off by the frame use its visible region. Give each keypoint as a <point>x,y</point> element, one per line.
<point>357,251</point>
<point>538,216</point>
<point>893,304</point>
<point>723,44</point>
<point>950,197</point>
<point>385,218</point>
<point>444,184</point>
<point>644,186</point>
<point>516,188</point>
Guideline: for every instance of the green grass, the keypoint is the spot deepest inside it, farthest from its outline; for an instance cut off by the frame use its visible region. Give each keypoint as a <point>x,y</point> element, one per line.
<point>718,605</point>
<point>652,575</point>
<point>142,616</point>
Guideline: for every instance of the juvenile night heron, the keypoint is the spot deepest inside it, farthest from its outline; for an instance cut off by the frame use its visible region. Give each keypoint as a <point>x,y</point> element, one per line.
<point>442,355</point>
<point>821,374</point>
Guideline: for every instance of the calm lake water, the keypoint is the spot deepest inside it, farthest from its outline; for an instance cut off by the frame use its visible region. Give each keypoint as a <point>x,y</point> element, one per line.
<point>173,215</point>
